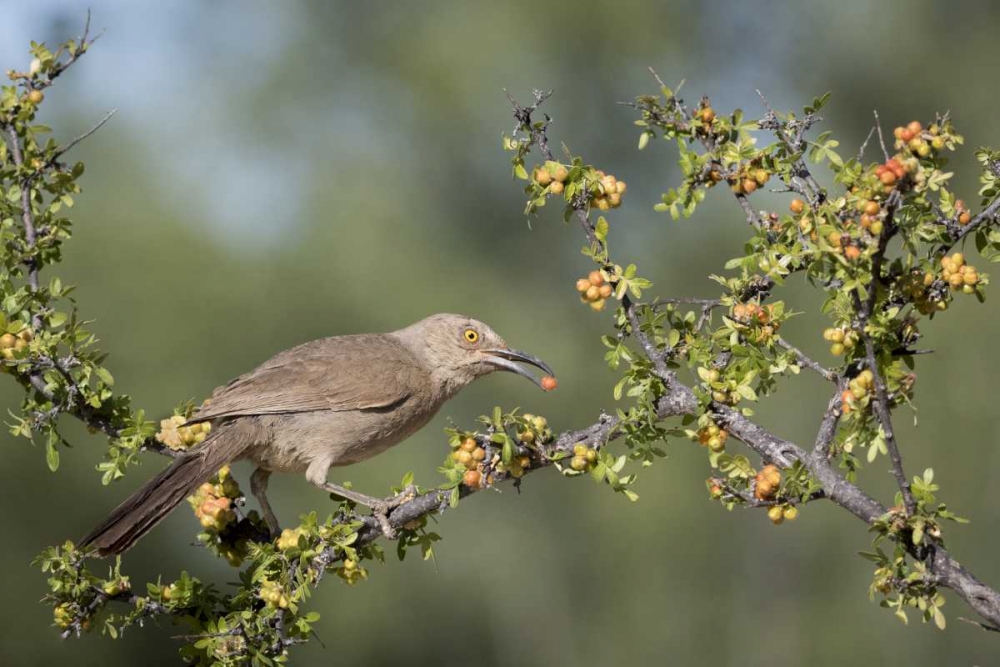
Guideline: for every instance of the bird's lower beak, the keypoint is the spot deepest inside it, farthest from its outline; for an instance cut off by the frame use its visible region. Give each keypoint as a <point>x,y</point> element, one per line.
<point>505,360</point>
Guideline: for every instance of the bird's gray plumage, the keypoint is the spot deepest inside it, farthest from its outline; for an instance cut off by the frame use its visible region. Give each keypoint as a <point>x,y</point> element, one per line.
<point>330,402</point>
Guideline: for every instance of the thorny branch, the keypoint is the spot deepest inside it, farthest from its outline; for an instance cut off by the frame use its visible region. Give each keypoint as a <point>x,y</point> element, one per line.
<point>679,400</point>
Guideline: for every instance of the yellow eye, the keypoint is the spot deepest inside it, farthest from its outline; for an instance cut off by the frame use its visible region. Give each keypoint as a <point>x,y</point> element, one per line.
<point>471,336</point>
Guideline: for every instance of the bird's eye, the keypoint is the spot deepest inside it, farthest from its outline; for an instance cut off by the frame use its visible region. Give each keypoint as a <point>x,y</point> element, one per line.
<point>471,336</point>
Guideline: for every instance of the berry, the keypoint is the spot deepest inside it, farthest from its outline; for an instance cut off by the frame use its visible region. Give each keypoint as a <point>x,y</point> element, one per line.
<point>472,478</point>
<point>579,463</point>
<point>561,174</point>
<point>557,187</point>
<point>776,515</point>
<point>468,445</point>
<point>797,206</point>
<point>580,449</point>
<point>596,278</point>
<point>542,176</point>
<point>549,383</point>
<point>36,97</point>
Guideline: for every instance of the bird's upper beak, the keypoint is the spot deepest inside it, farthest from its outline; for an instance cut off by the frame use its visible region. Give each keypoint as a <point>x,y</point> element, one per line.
<point>505,360</point>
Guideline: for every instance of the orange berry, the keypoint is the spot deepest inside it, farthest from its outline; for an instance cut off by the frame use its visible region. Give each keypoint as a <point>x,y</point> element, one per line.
<point>872,208</point>
<point>582,285</point>
<point>749,185</point>
<point>561,175</point>
<point>472,478</point>
<point>852,252</point>
<point>605,291</point>
<point>542,176</point>
<point>549,383</point>
<point>556,187</point>
<point>797,206</point>
<point>915,127</point>
<point>887,177</point>
<point>595,278</point>
<point>468,445</point>
<point>964,218</point>
<point>593,293</point>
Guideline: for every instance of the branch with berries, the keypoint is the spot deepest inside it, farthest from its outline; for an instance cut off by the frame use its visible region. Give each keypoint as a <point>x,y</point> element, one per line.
<point>875,302</point>
<point>696,361</point>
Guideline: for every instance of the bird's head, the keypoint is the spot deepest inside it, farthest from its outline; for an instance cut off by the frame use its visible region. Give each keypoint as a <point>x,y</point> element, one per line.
<point>458,349</point>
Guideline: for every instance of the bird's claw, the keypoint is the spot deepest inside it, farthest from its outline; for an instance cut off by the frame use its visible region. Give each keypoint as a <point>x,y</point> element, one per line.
<point>380,510</point>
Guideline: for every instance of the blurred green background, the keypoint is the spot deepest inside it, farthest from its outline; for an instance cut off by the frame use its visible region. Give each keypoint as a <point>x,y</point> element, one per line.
<point>283,171</point>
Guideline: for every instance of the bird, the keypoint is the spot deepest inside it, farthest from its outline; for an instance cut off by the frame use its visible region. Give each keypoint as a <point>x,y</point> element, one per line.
<point>326,403</point>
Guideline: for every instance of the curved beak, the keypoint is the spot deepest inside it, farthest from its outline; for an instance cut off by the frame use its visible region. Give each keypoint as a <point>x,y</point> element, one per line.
<point>506,360</point>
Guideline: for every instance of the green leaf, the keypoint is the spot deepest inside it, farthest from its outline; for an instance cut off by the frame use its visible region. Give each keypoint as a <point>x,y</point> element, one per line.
<point>52,454</point>
<point>601,229</point>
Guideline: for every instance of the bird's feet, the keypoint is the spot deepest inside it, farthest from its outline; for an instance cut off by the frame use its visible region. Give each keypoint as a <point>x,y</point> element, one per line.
<point>380,507</point>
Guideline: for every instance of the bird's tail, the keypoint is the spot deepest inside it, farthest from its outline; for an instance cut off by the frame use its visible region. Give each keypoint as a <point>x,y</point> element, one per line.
<point>156,498</point>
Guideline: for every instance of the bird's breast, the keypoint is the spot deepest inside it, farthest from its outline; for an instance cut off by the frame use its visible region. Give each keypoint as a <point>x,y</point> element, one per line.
<point>342,437</point>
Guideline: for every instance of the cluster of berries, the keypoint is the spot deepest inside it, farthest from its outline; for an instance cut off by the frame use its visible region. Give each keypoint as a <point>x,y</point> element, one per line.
<point>594,289</point>
<point>273,594</point>
<point>920,142</point>
<point>289,539</point>
<point>713,437</point>
<point>174,434</point>
<point>13,346</point>
<point>842,340</point>
<point>958,274</point>
<point>213,501</point>
<point>608,193</point>
<point>470,456</point>
<point>760,319</point>
<point>856,395</point>
<point>584,457</point>
<point>749,179</point>
<point>766,482</point>
<point>778,514</point>
<point>551,175</point>
<point>891,172</point>
<point>871,216</point>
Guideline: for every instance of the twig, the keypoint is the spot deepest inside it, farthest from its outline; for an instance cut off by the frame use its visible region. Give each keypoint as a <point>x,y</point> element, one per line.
<point>804,360</point>
<point>881,139</point>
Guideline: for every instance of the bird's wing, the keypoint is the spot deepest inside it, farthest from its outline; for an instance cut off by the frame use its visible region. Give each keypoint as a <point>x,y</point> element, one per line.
<point>368,371</point>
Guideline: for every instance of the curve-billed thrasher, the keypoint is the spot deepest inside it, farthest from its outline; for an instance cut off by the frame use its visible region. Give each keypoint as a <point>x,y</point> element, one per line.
<point>330,402</point>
